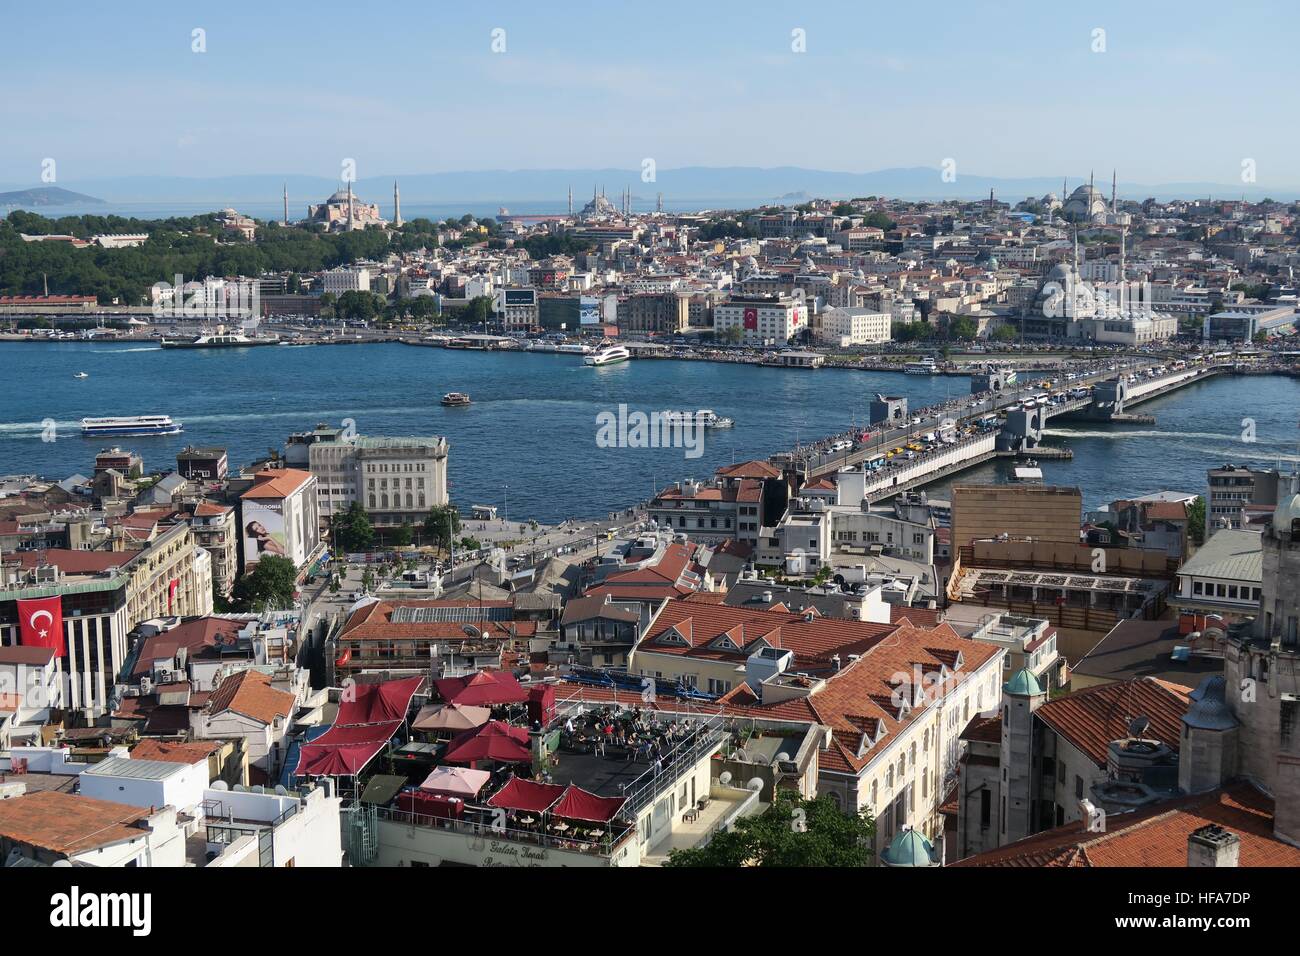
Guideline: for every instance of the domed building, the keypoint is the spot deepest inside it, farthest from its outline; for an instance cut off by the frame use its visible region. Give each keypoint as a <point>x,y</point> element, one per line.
<point>342,212</point>
<point>598,208</point>
<point>910,848</point>
<point>1086,204</point>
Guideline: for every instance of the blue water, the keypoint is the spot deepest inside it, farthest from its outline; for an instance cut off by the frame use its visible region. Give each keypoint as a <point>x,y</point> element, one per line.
<point>529,440</point>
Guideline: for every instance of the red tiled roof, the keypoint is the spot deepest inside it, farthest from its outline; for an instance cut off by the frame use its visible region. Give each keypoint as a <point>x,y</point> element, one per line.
<point>250,694</point>
<point>193,635</point>
<point>173,752</point>
<point>1090,719</point>
<point>65,823</point>
<point>812,642</point>
<point>373,622</point>
<point>1155,836</point>
<point>71,561</point>
<point>984,729</point>
<point>277,483</point>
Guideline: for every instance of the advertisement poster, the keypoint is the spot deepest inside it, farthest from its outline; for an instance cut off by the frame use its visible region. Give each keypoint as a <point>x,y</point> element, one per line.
<point>263,531</point>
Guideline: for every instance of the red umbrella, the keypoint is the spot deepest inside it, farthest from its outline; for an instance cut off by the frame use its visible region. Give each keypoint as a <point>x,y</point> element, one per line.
<point>483,688</point>
<point>493,741</point>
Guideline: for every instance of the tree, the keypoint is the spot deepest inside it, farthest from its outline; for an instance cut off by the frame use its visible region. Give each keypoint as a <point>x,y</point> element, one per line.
<point>442,524</point>
<point>268,587</point>
<point>352,530</point>
<point>402,535</point>
<point>1196,521</point>
<point>791,832</point>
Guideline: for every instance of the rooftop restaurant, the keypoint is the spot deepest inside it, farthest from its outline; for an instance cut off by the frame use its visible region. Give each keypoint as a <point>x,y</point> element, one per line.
<point>482,770</point>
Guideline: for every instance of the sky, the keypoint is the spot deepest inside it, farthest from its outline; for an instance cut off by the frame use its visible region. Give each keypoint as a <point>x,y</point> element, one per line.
<point>1177,92</point>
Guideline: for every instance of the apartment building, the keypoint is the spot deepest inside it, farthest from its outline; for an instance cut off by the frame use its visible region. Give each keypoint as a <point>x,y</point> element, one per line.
<point>397,480</point>
<point>848,326</point>
<point>654,312</point>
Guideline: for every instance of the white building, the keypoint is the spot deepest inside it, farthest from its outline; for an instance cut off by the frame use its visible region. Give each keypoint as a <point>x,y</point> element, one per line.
<point>338,281</point>
<point>850,326</point>
<point>761,319</point>
<point>397,480</point>
<point>147,783</point>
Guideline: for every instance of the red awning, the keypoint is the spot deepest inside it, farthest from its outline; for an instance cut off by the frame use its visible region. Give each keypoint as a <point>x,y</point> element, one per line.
<point>493,741</point>
<point>578,804</point>
<point>483,688</point>
<point>377,703</point>
<point>344,751</point>
<point>525,796</point>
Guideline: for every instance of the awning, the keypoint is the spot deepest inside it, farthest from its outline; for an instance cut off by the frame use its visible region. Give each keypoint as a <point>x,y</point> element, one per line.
<point>450,717</point>
<point>376,703</point>
<point>578,804</point>
<point>344,751</point>
<point>493,741</point>
<point>483,688</point>
<point>456,782</point>
<point>525,796</point>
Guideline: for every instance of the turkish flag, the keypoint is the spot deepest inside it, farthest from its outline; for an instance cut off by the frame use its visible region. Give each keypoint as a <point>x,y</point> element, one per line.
<point>751,318</point>
<point>171,591</point>
<point>40,623</point>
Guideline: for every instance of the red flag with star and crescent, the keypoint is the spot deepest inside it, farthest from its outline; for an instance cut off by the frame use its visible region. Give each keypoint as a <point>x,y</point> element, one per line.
<point>40,623</point>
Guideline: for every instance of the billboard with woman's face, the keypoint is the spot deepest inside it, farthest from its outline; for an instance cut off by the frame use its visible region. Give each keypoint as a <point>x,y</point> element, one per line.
<point>263,531</point>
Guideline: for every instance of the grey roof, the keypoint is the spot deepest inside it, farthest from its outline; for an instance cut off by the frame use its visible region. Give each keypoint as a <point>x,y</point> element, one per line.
<point>750,594</point>
<point>1231,554</point>
<point>138,769</point>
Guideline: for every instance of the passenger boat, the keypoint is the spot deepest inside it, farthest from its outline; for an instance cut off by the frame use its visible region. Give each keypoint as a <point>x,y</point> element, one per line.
<point>130,425</point>
<point>608,355</point>
<point>81,375</point>
<point>925,366</point>
<point>705,418</point>
<point>220,339</point>
<point>455,399</point>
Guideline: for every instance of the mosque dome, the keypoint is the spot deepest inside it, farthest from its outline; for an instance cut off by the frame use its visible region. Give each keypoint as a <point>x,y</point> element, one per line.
<point>1023,683</point>
<point>909,848</point>
<point>1286,513</point>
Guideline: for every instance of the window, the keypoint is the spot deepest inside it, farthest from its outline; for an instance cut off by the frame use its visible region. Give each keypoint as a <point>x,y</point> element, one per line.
<point>1078,787</point>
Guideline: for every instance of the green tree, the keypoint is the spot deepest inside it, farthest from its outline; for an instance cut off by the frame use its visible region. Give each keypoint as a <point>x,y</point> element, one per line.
<point>268,587</point>
<point>1196,521</point>
<point>791,832</point>
<point>442,524</point>
<point>402,535</point>
<point>352,530</point>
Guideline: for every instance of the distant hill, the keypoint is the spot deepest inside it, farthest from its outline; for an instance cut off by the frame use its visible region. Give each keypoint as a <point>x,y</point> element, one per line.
<point>47,196</point>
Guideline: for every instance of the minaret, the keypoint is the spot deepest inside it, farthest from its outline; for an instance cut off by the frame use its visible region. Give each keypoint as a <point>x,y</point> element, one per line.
<point>570,200</point>
<point>349,205</point>
<point>286,203</point>
<point>397,206</point>
<point>659,204</point>
<point>1113,180</point>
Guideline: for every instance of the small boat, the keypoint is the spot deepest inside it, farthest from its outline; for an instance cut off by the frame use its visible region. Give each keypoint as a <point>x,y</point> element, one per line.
<point>81,375</point>
<point>609,355</point>
<point>455,399</point>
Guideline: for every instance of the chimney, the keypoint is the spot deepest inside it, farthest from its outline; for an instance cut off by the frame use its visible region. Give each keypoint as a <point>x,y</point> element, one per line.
<point>835,662</point>
<point>1212,845</point>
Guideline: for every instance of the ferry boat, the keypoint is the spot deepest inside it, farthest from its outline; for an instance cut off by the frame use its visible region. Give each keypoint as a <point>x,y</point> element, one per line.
<point>925,366</point>
<point>81,375</point>
<point>541,345</point>
<point>705,418</point>
<point>220,339</point>
<point>130,425</point>
<point>608,355</point>
<point>574,348</point>
<point>455,399</point>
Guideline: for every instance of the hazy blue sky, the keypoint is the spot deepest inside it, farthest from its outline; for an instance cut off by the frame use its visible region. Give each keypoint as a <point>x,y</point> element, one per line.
<point>1184,91</point>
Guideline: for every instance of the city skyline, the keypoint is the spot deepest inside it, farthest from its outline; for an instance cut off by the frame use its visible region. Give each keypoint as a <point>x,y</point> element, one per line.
<point>1031,93</point>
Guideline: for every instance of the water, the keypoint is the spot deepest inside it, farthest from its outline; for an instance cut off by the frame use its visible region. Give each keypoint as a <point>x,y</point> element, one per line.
<point>528,443</point>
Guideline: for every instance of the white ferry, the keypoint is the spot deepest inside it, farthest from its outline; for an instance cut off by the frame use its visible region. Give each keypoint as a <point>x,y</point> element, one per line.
<point>220,339</point>
<point>130,425</point>
<point>574,348</point>
<point>455,399</point>
<point>608,355</point>
<point>925,366</point>
<point>705,418</point>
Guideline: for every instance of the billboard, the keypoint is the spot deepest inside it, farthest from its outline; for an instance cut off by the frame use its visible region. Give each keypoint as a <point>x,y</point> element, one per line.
<point>262,531</point>
<point>589,310</point>
<point>519,297</point>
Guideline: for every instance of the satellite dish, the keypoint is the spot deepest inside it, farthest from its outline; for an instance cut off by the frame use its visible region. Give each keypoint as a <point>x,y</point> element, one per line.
<point>783,757</point>
<point>219,785</point>
<point>239,788</point>
<point>724,778</point>
<point>281,791</point>
<point>755,784</point>
<point>1138,726</point>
